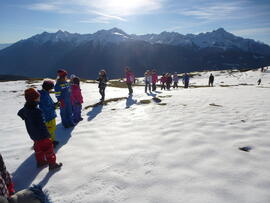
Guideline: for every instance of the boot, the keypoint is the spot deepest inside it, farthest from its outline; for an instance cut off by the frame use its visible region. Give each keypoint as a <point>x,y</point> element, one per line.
<point>56,166</point>
<point>41,164</point>
<point>55,143</point>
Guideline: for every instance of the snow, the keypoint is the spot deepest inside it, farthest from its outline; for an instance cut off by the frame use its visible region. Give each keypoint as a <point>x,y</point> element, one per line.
<point>184,151</point>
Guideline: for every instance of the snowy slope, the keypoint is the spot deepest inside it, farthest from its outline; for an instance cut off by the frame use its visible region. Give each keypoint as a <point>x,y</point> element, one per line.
<point>184,151</point>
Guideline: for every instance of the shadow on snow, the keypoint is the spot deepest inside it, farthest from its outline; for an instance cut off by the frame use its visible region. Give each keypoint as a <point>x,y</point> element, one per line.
<point>26,173</point>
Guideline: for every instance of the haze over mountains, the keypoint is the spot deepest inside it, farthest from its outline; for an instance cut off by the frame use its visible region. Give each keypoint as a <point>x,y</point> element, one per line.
<point>85,54</point>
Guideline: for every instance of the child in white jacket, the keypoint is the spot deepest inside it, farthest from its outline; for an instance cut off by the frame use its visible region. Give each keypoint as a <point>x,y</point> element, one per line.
<point>147,80</point>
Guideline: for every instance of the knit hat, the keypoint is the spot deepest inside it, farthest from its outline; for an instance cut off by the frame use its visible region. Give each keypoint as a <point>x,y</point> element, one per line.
<point>72,76</point>
<point>31,94</point>
<point>48,85</point>
<point>62,73</point>
<point>76,80</point>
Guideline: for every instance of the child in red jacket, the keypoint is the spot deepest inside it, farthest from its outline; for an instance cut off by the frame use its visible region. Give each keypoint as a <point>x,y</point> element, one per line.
<point>76,100</point>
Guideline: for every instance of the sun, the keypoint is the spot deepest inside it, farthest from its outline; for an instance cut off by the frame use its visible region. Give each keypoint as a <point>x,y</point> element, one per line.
<point>125,7</point>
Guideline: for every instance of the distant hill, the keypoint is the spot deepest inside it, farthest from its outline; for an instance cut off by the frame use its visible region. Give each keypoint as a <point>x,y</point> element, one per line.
<point>85,54</point>
<point>2,46</point>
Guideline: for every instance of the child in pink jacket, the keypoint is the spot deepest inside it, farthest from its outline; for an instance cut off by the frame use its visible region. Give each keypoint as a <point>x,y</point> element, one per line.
<point>76,100</point>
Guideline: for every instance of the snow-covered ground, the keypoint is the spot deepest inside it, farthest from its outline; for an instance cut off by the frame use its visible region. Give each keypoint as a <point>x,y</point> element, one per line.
<point>183,151</point>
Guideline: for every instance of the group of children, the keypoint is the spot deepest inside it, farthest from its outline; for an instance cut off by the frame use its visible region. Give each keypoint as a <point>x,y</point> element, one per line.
<point>39,114</point>
<point>167,80</point>
<point>39,111</point>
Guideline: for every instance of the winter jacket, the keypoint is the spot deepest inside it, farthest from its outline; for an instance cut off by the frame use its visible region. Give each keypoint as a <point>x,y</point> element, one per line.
<point>211,79</point>
<point>62,91</point>
<point>175,78</point>
<point>148,79</point>
<point>186,79</point>
<point>154,78</point>
<point>47,106</point>
<point>163,79</point>
<point>169,80</point>
<point>102,79</point>
<point>130,77</point>
<point>34,121</point>
<point>6,185</point>
<point>76,94</point>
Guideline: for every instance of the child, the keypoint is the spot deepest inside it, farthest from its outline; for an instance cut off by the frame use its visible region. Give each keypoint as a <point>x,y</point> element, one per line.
<point>211,80</point>
<point>175,80</point>
<point>48,107</point>
<point>37,130</point>
<point>102,79</point>
<point>154,80</point>
<point>186,80</point>
<point>163,81</point>
<point>168,81</point>
<point>147,80</point>
<point>76,100</point>
<point>62,93</point>
<point>129,79</point>
<point>6,184</point>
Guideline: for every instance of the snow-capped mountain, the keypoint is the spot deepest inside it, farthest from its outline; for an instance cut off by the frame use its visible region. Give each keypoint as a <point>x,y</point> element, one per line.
<point>43,54</point>
<point>3,46</point>
<point>219,38</point>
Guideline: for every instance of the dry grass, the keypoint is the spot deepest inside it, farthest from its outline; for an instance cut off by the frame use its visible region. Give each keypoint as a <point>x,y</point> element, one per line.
<point>33,80</point>
<point>105,102</point>
<point>145,101</point>
<point>162,104</point>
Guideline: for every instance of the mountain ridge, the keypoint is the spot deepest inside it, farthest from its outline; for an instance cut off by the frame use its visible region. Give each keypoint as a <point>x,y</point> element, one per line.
<point>84,54</point>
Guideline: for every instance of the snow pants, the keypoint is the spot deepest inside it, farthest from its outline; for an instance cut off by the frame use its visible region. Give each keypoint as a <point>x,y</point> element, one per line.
<point>51,126</point>
<point>147,85</point>
<point>102,92</point>
<point>77,110</point>
<point>168,85</point>
<point>154,87</point>
<point>175,85</point>
<point>186,84</point>
<point>163,86</point>
<point>44,151</point>
<point>129,85</point>
<point>66,114</point>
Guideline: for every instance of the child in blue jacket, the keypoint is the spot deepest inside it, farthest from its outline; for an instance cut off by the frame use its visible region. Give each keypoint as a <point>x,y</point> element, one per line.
<point>62,93</point>
<point>37,130</point>
<point>48,107</point>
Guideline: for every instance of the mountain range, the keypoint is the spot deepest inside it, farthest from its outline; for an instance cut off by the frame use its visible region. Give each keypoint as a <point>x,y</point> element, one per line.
<point>2,46</point>
<point>85,54</point>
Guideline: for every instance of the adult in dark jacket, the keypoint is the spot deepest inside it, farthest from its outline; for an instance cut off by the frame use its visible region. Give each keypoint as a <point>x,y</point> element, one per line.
<point>211,80</point>
<point>102,83</point>
<point>37,130</point>
<point>62,93</point>
<point>186,80</point>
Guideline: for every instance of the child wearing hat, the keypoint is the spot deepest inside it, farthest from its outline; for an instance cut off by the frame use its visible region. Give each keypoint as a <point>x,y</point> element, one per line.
<point>37,130</point>
<point>62,93</point>
<point>102,80</point>
<point>76,100</point>
<point>48,107</point>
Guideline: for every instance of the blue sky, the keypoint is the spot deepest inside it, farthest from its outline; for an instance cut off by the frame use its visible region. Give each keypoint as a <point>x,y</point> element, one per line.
<point>20,19</point>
